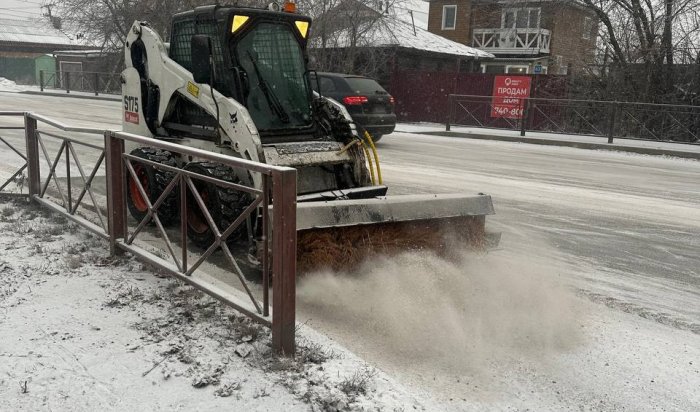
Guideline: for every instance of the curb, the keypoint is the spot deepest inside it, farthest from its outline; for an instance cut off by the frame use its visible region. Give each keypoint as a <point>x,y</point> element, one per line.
<point>112,98</point>
<point>581,145</point>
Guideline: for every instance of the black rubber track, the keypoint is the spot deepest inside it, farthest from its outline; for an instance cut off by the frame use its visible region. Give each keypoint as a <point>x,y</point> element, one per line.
<point>157,181</point>
<point>224,204</point>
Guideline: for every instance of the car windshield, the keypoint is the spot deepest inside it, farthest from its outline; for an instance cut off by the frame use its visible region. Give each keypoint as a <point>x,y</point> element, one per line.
<point>278,94</point>
<point>363,85</point>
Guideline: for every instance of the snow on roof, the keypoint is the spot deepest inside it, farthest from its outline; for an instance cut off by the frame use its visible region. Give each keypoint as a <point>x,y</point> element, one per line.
<point>35,31</point>
<point>389,31</point>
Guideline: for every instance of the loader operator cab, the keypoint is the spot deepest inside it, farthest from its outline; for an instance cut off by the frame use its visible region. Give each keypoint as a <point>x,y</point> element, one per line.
<point>254,56</point>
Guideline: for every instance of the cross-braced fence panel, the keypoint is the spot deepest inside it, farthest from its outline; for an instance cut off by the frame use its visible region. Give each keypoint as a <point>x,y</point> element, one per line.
<point>86,175</point>
<point>13,159</point>
<point>631,120</point>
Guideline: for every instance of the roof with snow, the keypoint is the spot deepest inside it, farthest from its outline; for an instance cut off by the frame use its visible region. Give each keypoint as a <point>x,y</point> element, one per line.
<point>34,31</point>
<point>388,31</point>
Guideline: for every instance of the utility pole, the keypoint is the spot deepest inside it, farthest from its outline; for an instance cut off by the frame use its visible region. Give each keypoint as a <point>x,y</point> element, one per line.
<point>48,7</point>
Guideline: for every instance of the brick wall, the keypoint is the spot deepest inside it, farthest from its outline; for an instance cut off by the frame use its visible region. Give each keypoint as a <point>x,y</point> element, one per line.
<point>461,33</point>
<point>564,21</point>
<point>567,38</point>
<point>486,16</point>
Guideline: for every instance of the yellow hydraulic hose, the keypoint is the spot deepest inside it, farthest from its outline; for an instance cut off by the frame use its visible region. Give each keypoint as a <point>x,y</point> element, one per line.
<point>369,159</point>
<point>376,156</point>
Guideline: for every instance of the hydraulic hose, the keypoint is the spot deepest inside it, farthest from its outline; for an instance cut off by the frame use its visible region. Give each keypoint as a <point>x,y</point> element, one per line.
<point>369,159</point>
<point>376,156</point>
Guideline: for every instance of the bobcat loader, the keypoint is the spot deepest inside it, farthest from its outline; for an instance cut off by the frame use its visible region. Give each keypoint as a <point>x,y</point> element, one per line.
<point>234,80</point>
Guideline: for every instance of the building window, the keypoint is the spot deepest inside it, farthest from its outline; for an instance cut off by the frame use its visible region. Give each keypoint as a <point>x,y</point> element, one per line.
<point>587,27</point>
<point>449,17</point>
<point>493,68</point>
<point>524,18</point>
<point>513,69</point>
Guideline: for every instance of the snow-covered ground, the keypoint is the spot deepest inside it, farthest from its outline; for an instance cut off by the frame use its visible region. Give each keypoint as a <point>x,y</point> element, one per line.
<point>591,301</point>
<point>7,85</point>
<point>82,331</point>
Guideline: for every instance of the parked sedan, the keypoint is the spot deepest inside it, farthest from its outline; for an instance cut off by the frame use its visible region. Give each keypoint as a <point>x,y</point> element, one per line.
<point>369,104</point>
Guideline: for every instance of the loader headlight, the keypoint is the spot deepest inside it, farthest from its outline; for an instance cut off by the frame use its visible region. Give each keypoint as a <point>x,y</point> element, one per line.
<point>303,27</point>
<point>238,21</point>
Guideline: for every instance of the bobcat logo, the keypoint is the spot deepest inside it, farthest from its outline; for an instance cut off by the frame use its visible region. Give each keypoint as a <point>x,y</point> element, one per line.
<point>234,118</point>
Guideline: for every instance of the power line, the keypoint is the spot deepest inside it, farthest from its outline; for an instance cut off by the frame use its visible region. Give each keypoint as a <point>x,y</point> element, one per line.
<point>20,11</point>
<point>20,8</point>
<point>24,17</point>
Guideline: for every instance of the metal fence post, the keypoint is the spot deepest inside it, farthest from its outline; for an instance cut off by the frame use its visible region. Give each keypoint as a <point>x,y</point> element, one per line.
<point>449,112</point>
<point>41,80</point>
<point>524,116</point>
<point>284,255</point>
<point>97,84</point>
<point>67,82</point>
<point>611,121</point>
<point>116,205</point>
<point>32,142</point>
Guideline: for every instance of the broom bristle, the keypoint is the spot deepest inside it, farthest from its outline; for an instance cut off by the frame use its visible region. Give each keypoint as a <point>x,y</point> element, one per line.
<point>345,247</point>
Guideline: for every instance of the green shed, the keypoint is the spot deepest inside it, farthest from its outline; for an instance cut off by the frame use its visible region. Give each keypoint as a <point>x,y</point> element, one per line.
<point>47,63</point>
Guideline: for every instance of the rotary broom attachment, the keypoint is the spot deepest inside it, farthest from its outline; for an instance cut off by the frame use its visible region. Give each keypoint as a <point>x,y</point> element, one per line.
<point>339,235</point>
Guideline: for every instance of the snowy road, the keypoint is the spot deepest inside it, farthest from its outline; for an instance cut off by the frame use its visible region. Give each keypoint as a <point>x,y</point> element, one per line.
<point>621,232</point>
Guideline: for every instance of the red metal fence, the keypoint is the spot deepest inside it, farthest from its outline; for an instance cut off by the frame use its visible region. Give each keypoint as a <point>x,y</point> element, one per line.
<point>422,96</point>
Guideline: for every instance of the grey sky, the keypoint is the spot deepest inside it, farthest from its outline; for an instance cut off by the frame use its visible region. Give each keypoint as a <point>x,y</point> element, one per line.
<point>20,9</point>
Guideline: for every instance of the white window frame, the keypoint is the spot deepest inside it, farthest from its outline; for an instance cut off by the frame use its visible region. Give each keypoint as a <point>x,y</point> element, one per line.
<point>68,64</point>
<point>444,11</point>
<point>517,66</point>
<point>515,20</point>
<point>587,27</point>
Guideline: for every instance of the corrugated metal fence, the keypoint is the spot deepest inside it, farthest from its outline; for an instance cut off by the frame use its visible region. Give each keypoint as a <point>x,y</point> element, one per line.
<point>422,96</point>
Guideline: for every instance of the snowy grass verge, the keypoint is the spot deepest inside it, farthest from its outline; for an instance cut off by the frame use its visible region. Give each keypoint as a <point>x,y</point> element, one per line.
<point>80,330</point>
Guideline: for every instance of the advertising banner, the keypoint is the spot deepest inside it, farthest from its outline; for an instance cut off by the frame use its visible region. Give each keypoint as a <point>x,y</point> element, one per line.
<point>507,94</point>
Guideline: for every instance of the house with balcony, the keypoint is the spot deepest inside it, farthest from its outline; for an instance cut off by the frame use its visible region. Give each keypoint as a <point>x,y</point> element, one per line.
<point>527,37</point>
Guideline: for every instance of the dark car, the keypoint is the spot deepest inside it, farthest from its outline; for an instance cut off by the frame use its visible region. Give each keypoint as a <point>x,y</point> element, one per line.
<point>369,104</point>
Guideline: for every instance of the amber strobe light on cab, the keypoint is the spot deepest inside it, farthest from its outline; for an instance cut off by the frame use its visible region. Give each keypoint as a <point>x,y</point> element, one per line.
<point>238,21</point>
<point>290,6</point>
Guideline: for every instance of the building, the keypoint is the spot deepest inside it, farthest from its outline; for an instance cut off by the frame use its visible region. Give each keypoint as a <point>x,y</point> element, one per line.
<point>527,37</point>
<point>354,38</point>
<point>27,47</point>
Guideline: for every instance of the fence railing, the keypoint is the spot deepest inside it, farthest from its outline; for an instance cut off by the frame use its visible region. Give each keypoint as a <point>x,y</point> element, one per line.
<point>92,82</point>
<point>512,40</point>
<point>84,175</point>
<point>611,119</point>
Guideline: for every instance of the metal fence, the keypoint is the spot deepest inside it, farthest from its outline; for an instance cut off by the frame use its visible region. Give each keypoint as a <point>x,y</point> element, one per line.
<point>83,175</point>
<point>630,120</point>
<point>92,82</point>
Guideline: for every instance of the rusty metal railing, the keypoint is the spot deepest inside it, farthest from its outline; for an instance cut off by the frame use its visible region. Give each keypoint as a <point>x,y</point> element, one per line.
<point>77,159</point>
<point>611,119</point>
<point>17,176</point>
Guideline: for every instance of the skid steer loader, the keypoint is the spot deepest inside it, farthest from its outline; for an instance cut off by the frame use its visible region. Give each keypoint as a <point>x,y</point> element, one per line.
<point>235,81</point>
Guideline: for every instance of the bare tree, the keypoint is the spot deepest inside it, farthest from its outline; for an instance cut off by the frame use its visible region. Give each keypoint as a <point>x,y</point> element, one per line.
<point>648,34</point>
<point>105,23</point>
<point>345,34</point>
